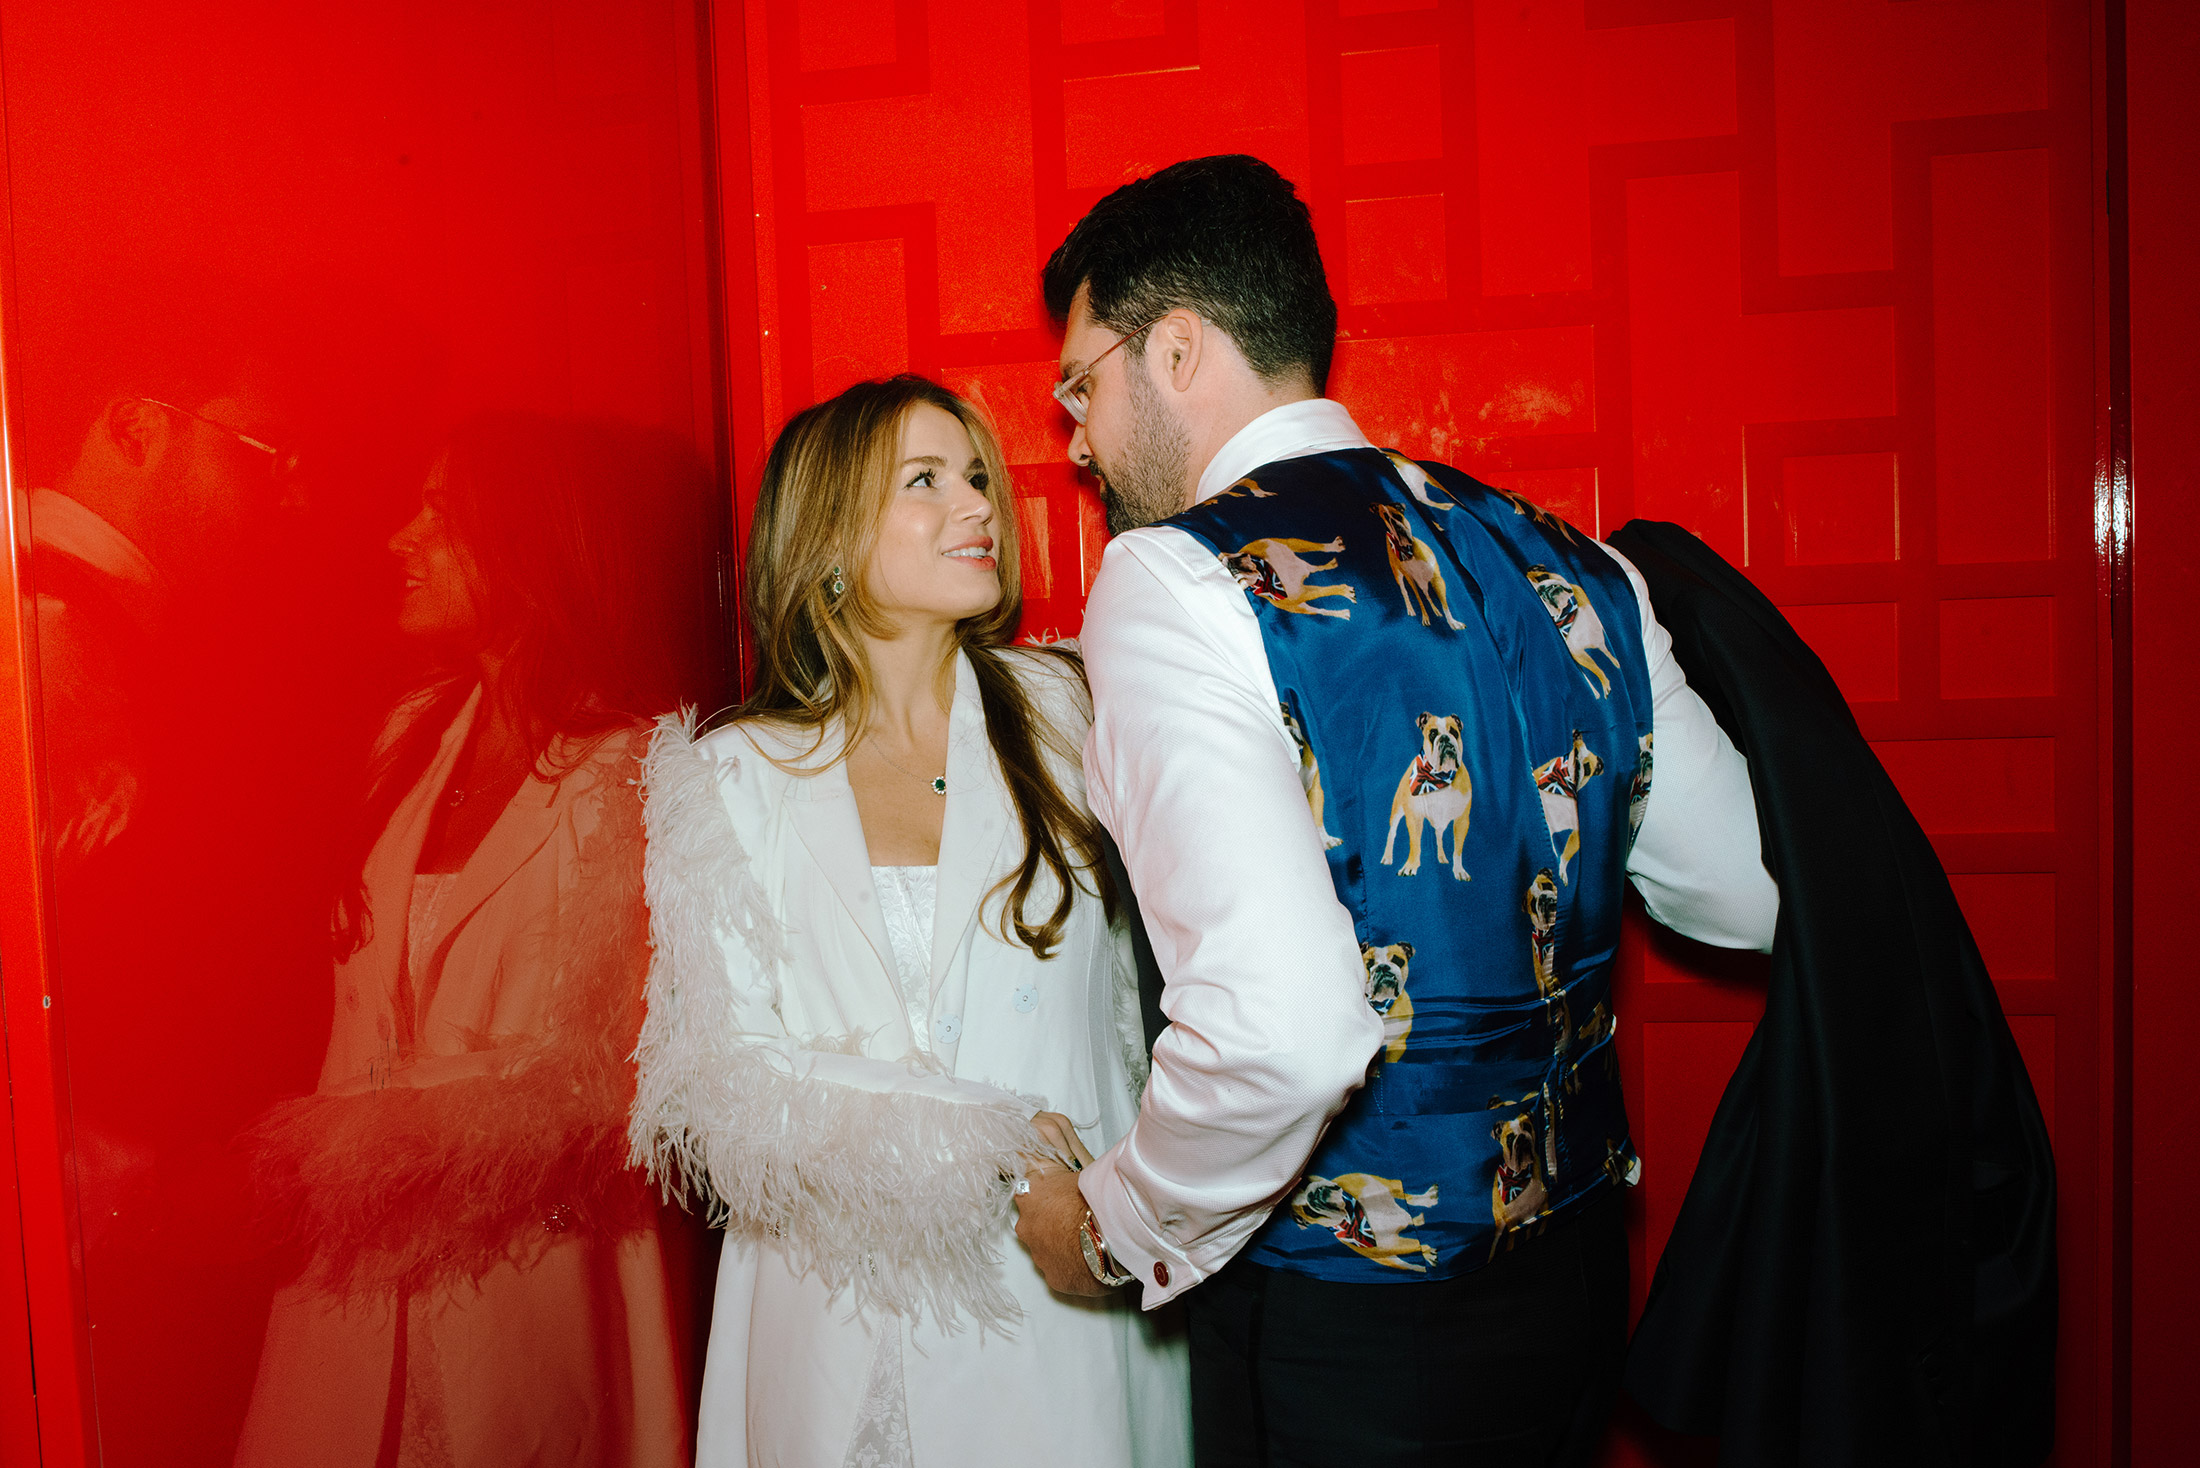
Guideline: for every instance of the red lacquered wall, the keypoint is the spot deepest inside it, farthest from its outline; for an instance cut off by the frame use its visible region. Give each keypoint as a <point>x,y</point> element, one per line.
<point>2163,50</point>
<point>275,276</point>
<point>1829,281</point>
<point>1816,278</point>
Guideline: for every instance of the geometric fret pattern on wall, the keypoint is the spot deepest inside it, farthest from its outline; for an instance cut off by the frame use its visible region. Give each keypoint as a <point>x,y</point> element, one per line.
<point>1812,277</point>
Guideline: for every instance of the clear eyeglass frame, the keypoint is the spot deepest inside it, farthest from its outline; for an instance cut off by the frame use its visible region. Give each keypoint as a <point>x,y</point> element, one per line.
<point>1070,391</point>
<point>282,463</point>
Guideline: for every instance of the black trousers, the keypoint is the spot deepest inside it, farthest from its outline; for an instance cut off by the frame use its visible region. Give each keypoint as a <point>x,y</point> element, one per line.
<point>1517,1363</point>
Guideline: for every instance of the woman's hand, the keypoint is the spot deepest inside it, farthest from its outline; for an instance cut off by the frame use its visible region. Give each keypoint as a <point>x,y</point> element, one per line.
<point>1061,1137</point>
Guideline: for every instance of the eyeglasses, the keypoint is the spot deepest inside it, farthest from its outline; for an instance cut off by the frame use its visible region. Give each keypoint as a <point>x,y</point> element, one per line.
<point>1070,391</point>
<point>281,463</point>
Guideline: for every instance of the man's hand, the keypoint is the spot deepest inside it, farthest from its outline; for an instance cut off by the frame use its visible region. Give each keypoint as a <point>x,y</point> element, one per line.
<point>1046,1221</point>
<point>1048,1214</point>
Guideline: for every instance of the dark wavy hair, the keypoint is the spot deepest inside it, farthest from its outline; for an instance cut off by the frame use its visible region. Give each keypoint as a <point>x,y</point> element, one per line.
<point>592,546</point>
<point>1225,236</point>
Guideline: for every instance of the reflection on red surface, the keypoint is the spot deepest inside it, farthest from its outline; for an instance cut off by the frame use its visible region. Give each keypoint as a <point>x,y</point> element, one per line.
<point>361,396</point>
<point>487,1284</point>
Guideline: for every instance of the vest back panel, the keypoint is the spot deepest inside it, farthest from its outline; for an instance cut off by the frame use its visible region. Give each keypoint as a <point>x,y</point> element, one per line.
<point>1463,674</point>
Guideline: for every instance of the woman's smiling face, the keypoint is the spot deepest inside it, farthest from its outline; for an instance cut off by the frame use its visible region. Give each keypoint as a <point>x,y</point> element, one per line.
<point>439,602</point>
<point>934,559</point>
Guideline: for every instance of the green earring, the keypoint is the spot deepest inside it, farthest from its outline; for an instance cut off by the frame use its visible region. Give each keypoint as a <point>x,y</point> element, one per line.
<point>839,586</point>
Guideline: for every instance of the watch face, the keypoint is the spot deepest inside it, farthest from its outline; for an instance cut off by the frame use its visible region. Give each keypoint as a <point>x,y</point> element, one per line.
<point>1095,1259</point>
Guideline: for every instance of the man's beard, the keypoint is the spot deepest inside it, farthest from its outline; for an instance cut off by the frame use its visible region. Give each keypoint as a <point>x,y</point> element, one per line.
<point>1147,482</point>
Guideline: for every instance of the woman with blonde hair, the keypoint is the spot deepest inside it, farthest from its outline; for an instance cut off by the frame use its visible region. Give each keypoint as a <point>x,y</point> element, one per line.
<point>889,980</point>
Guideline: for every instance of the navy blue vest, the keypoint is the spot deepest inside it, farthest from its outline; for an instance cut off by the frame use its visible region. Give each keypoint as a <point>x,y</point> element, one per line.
<point>1464,676</point>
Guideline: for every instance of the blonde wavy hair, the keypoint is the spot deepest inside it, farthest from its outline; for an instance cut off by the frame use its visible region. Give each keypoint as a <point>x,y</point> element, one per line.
<point>827,485</point>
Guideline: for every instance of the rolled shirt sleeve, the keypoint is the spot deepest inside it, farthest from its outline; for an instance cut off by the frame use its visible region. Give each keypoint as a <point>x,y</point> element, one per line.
<point>1189,767</point>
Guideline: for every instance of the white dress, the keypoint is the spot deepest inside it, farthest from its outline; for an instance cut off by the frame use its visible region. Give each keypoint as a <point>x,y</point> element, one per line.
<point>908,898</point>
<point>847,1059</point>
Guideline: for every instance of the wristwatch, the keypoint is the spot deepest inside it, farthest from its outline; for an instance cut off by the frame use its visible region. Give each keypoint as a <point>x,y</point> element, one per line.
<point>1096,1253</point>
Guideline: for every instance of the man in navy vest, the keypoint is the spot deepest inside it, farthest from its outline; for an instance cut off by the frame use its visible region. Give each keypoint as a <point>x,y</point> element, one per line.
<point>1381,746</point>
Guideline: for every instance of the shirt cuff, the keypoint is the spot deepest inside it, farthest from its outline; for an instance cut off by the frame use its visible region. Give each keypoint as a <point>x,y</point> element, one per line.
<point>1138,1248</point>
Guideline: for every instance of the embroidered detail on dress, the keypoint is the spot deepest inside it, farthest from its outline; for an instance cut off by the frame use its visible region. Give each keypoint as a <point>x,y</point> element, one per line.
<point>881,1438</point>
<point>908,898</point>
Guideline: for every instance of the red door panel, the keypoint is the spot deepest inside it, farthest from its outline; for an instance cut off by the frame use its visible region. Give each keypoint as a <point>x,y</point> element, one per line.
<point>268,265</point>
<point>1811,277</point>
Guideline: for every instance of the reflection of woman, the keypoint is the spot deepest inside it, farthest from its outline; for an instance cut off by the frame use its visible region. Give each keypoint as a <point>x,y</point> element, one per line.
<point>881,947</point>
<point>488,1286</point>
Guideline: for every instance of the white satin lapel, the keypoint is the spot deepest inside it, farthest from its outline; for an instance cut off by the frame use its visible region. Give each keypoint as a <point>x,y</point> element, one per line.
<point>822,810</point>
<point>979,814</point>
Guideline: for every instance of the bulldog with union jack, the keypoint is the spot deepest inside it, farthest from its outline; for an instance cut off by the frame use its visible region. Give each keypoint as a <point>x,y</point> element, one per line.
<point>1413,566</point>
<point>1559,781</point>
<point>1436,789</point>
<point>1519,1196</point>
<point>1577,621</point>
<point>1367,1214</point>
<point>1276,571</point>
<point>1541,906</point>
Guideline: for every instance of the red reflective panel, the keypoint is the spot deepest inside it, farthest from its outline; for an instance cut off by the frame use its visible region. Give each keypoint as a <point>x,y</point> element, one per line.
<point>1395,250</point>
<point>1839,508</point>
<point>2012,917</point>
<point>1693,1060</point>
<point>1857,643</point>
<point>1990,356</point>
<point>375,499</point>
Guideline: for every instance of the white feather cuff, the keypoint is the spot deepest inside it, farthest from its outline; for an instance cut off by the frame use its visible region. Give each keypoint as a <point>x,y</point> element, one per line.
<point>896,1196</point>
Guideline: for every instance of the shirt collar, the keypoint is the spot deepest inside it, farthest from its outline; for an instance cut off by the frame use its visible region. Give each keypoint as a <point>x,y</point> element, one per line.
<point>59,523</point>
<point>1311,426</point>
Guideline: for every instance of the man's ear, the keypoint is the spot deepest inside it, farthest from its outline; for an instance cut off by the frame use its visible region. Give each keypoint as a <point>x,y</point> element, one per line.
<point>1176,344</point>
<point>137,430</point>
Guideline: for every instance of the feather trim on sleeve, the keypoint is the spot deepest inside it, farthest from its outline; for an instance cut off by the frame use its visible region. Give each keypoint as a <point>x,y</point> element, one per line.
<point>460,1163</point>
<point>897,1197</point>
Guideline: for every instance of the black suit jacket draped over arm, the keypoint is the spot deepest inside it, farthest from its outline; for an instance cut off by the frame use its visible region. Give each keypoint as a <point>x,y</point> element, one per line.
<point>1863,1270</point>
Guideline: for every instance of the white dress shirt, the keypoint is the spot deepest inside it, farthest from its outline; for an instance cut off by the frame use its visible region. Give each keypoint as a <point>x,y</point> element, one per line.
<point>1190,768</point>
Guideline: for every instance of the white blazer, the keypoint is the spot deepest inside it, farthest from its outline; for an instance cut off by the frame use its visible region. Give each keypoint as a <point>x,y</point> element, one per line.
<point>782,1081</point>
<point>463,1168</point>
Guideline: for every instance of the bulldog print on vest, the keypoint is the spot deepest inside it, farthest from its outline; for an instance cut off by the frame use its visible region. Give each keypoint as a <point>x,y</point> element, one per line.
<point>1457,667</point>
